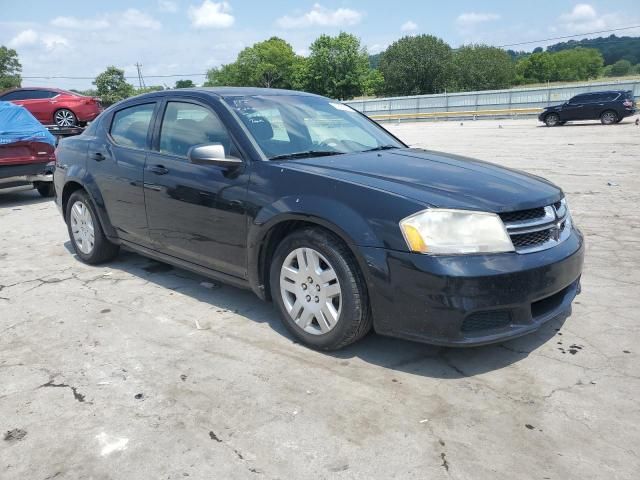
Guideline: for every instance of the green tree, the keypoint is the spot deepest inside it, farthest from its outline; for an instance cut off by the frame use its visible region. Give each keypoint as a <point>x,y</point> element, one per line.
<point>416,64</point>
<point>480,67</point>
<point>271,64</point>
<point>536,68</point>
<point>267,64</point>
<point>577,64</point>
<point>373,83</point>
<point>620,68</point>
<point>184,84</point>
<point>226,75</point>
<point>337,66</point>
<point>112,86</point>
<point>10,68</point>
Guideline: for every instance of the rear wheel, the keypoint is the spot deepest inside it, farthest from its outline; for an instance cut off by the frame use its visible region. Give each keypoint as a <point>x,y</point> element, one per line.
<point>46,189</point>
<point>609,117</point>
<point>319,290</point>
<point>65,118</point>
<point>85,232</point>
<point>552,120</point>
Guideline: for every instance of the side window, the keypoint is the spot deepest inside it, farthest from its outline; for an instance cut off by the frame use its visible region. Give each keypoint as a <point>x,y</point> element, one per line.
<point>578,99</point>
<point>186,125</point>
<point>130,126</point>
<point>19,95</point>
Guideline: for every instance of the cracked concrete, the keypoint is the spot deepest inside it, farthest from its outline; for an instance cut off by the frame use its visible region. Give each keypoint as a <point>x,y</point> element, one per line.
<point>158,376</point>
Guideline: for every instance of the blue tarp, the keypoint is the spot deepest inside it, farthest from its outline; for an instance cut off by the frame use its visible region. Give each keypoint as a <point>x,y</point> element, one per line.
<point>18,125</point>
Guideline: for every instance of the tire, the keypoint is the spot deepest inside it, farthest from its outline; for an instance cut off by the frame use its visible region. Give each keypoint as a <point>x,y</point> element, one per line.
<point>65,118</point>
<point>85,220</point>
<point>552,120</point>
<point>308,298</point>
<point>46,189</point>
<point>609,117</point>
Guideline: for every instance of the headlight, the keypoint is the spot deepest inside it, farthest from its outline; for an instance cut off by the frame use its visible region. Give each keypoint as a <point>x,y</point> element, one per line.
<point>442,231</point>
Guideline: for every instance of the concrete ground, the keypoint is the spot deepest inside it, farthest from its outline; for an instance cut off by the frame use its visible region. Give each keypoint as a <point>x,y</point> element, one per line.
<point>136,370</point>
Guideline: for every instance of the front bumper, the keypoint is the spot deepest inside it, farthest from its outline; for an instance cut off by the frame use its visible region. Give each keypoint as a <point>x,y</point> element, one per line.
<point>472,299</point>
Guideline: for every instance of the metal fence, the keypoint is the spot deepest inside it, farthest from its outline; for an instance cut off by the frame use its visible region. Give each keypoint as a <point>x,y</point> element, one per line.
<point>492,103</point>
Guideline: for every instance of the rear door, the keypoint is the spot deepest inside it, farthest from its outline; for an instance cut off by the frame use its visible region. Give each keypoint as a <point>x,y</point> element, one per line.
<point>116,160</point>
<point>196,212</point>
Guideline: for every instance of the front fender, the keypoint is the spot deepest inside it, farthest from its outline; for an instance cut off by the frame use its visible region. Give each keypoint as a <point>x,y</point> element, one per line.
<point>346,223</point>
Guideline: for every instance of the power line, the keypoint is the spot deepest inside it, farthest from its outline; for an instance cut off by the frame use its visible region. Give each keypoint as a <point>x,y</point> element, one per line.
<point>568,36</point>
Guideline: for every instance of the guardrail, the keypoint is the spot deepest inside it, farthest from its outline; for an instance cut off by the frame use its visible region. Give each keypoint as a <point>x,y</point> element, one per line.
<point>490,103</point>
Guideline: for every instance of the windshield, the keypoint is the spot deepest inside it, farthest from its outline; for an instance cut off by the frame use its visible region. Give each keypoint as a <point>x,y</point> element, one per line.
<point>294,126</point>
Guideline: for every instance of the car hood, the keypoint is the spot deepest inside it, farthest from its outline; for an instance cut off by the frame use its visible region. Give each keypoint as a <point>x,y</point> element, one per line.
<point>436,179</point>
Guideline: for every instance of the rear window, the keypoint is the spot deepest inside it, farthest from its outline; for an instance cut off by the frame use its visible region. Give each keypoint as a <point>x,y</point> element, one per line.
<point>130,126</point>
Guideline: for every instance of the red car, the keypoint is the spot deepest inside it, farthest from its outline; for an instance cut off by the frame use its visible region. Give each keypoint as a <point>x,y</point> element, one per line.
<point>52,106</point>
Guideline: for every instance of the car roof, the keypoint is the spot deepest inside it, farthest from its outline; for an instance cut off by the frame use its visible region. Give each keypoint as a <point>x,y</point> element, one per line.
<point>242,91</point>
<point>604,91</point>
<point>49,89</point>
<point>228,92</point>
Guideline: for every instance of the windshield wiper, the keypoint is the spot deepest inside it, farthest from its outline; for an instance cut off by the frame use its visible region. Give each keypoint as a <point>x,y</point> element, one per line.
<point>308,153</point>
<point>380,147</point>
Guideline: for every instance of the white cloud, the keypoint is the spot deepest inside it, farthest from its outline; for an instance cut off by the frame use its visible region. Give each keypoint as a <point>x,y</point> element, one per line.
<point>24,38</point>
<point>137,19</point>
<point>584,18</point>
<point>167,6</point>
<point>409,26</point>
<point>320,16</point>
<point>130,18</point>
<point>74,23</point>
<point>53,41</point>
<point>471,19</point>
<point>211,15</point>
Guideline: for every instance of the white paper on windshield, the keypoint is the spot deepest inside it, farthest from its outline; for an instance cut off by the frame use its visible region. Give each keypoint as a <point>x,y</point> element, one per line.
<point>341,106</point>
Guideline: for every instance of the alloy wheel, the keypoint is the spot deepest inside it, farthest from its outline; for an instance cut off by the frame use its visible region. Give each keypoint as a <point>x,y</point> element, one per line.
<point>609,117</point>
<point>311,291</point>
<point>65,118</point>
<point>82,227</point>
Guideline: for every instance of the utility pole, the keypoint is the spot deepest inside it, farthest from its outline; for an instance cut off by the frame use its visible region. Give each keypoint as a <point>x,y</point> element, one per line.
<point>140,78</point>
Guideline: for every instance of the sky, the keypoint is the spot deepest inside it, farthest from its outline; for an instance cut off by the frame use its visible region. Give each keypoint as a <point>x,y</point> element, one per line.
<point>179,37</point>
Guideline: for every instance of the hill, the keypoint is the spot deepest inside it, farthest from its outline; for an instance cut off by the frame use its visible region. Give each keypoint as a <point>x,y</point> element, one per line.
<point>613,48</point>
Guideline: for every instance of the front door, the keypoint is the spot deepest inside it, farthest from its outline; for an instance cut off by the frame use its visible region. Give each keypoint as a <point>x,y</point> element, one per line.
<point>196,212</point>
<point>576,108</point>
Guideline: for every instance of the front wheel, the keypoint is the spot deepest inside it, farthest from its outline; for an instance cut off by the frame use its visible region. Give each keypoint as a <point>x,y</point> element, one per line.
<point>85,232</point>
<point>319,290</point>
<point>552,120</point>
<point>609,117</point>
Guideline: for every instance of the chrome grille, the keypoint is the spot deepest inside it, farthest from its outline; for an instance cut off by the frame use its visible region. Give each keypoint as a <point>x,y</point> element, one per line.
<point>538,228</point>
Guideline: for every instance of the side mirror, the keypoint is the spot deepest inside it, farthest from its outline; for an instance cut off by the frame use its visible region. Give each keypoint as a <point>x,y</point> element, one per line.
<point>211,154</point>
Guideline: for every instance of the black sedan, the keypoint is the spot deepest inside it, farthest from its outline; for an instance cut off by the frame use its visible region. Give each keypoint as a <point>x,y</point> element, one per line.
<point>609,107</point>
<point>311,204</point>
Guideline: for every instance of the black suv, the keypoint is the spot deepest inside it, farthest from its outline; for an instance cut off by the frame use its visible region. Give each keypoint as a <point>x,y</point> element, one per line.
<point>308,202</point>
<point>608,107</point>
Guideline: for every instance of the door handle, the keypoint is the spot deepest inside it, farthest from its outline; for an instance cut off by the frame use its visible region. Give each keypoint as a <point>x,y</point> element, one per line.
<point>97,156</point>
<point>159,170</point>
